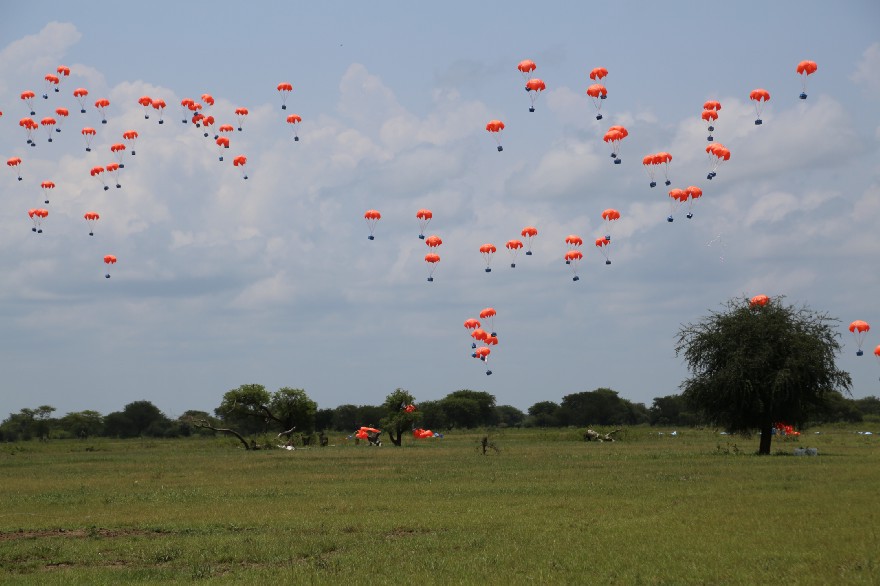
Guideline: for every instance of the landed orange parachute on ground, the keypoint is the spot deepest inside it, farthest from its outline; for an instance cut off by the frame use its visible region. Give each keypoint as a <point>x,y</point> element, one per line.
<point>859,329</point>
<point>420,433</point>
<point>760,97</point>
<point>805,68</point>
<point>495,127</point>
<point>528,233</point>
<point>372,217</point>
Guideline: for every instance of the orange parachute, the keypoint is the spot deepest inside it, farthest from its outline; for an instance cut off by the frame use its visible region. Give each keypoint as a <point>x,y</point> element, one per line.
<point>859,329</point>
<point>208,99</point>
<point>109,259</point>
<point>471,323</point>
<point>488,250</point>
<point>294,120</point>
<point>602,244</point>
<point>514,247</point>
<point>424,217</point>
<point>102,104</point>
<point>159,105</point>
<point>495,127</point>
<point>759,301</point>
<point>572,258</point>
<point>98,173</point>
<point>222,144</point>
<point>47,187</point>
<point>15,163</point>
<point>27,97</point>
<point>526,66</point>
<point>52,81</point>
<point>573,241</point>
<point>241,161</point>
<point>113,169</point>
<point>130,136</point>
<point>372,217</point>
<point>709,117</point>
<point>29,126</point>
<point>147,103</point>
<point>81,94</point>
<point>718,154</point>
<point>88,134</point>
<point>598,73</point>
<point>760,97</point>
<point>694,193</point>
<point>805,68</point>
<point>489,315</point>
<point>613,138</point>
<point>62,114</point>
<point>48,123</point>
<point>433,241</point>
<point>528,233</point>
<point>534,86</point>
<point>598,93</point>
<point>118,149</point>
<point>432,259</point>
<point>241,114</point>
<point>609,216</point>
<point>677,197</point>
<point>91,219</point>
<point>284,88</point>
<point>37,216</point>
<point>483,354</point>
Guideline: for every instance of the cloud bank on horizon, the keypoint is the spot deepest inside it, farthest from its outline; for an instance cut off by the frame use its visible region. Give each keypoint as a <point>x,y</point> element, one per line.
<point>222,281</point>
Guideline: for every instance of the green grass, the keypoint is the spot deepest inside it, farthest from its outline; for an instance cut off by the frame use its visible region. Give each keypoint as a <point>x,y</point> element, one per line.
<point>549,508</point>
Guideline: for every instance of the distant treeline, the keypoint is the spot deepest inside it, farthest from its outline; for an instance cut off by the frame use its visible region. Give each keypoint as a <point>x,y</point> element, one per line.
<point>463,409</point>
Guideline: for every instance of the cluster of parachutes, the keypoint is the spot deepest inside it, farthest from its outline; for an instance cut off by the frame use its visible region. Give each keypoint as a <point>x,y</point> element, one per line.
<point>197,113</point>
<point>485,338</point>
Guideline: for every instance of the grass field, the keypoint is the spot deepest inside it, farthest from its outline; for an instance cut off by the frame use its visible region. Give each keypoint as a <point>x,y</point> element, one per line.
<point>547,509</point>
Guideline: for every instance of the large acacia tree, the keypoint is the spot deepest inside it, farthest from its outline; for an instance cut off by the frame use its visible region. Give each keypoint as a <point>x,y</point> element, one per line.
<point>755,365</point>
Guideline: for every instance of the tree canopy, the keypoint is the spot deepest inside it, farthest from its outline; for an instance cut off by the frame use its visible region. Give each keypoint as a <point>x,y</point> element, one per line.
<point>753,366</point>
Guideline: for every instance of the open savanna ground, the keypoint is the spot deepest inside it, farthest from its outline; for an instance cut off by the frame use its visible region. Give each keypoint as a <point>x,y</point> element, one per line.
<point>695,508</point>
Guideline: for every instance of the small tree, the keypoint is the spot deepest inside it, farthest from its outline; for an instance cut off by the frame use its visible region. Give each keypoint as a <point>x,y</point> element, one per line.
<point>755,365</point>
<point>398,420</point>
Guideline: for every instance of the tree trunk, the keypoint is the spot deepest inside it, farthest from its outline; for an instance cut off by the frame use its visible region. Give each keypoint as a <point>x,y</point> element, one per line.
<point>205,425</point>
<point>396,441</point>
<point>766,438</point>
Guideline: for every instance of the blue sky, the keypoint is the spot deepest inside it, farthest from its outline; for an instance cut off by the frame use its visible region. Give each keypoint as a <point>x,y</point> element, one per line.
<point>222,281</point>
